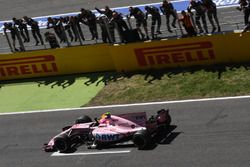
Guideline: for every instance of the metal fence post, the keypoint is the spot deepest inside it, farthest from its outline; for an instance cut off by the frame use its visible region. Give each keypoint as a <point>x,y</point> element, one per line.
<point>8,40</point>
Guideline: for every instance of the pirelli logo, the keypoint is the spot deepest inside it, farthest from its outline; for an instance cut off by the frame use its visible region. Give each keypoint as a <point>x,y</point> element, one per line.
<point>28,65</point>
<point>171,54</point>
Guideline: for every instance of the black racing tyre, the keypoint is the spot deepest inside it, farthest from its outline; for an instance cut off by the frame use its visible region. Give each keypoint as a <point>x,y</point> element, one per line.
<point>62,143</point>
<point>83,119</point>
<point>142,139</point>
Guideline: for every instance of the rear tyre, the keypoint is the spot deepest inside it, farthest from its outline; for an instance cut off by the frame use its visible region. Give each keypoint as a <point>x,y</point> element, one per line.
<point>83,119</point>
<point>168,120</point>
<point>62,143</point>
<point>142,139</point>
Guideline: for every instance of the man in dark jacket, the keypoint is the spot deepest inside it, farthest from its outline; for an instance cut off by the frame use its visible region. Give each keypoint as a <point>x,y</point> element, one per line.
<point>200,12</point>
<point>88,18</point>
<point>245,7</point>
<point>120,24</point>
<point>34,29</point>
<point>109,14</point>
<point>156,17</point>
<point>212,13</point>
<point>140,20</point>
<point>22,28</point>
<point>167,9</point>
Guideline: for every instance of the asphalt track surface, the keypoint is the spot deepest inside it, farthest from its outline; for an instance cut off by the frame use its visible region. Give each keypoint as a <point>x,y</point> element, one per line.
<point>212,133</point>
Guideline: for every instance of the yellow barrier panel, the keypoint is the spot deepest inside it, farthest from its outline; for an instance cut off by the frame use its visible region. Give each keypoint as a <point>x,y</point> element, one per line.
<point>70,60</point>
<point>184,52</point>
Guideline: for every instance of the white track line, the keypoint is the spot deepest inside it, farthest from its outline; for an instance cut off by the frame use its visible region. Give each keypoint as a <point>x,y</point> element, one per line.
<point>135,104</point>
<point>57,154</point>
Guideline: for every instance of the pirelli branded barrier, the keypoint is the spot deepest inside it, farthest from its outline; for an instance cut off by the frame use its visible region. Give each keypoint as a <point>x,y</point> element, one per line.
<point>204,50</point>
<point>55,62</point>
<point>184,52</point>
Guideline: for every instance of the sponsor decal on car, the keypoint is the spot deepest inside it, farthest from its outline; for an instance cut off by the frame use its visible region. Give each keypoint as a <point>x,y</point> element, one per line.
<point>172,54</point>
<point>28,65</point>
<point>107,137</point>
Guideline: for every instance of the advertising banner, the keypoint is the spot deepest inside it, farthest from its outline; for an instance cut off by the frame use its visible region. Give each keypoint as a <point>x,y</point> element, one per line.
<point>71,60</point>
<point>172,53</point>
<point>184,52</point>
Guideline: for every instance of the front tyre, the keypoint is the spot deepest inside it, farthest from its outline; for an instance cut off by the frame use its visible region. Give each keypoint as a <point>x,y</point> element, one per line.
<point>62,143</point>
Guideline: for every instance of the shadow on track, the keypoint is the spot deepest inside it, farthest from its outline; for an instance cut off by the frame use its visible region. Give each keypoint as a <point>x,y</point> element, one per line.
<point>163,137</point>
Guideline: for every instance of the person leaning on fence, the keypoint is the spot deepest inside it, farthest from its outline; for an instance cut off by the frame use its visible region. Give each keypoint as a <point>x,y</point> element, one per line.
<point>13,31</point>
<point>88,18</point>
<point>22,29</point>
<point>67,28</point>
<point>78,26</point>
<point>200,13</point>
<point>34,29</point>
<point>140,20</point>
<point>121,25</point>
<point>245,7</point>
<point>187,24</point>
<point>109,14</point>
<point>52,23</point>
<point>212,14</point>
<point>167,9</point>
<point>156,17</point>
<point>104,31</point>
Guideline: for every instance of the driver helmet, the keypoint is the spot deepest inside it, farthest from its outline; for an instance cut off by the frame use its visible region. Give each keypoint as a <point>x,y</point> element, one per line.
<point>108,115</point>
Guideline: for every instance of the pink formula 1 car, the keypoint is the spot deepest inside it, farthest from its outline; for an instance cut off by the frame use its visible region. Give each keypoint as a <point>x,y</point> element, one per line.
<point>118,129</point>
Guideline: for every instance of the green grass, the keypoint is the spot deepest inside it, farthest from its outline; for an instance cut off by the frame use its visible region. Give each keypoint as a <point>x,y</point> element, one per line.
<point>120,88</point>
<point>216,81</point>
<point>49,93</point>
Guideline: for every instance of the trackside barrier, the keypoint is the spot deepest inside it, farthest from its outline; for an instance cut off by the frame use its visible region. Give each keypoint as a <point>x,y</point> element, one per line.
<point>50,62</point>
<point>174,53</point>
<point>183,52</point>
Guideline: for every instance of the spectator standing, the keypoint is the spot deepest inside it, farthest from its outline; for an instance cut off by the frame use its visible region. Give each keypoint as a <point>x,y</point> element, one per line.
<point>67,28</point>
<point>78,26</point>
<point>167,9</point>
<point>88,18</point>
<point>245,7</point>
<point>52,23</point>
<point>156,17</point>
<point>109,14</point>
<point>140,20</point>
<point>121,25</point>
<point>104,32</point>
<point>187,24</point>
<point>72,23</point>
<point>14,33</point>
<point>200,14</point>
<point>22,29</point>
<point>212,14</point>
<point>34,29</point>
